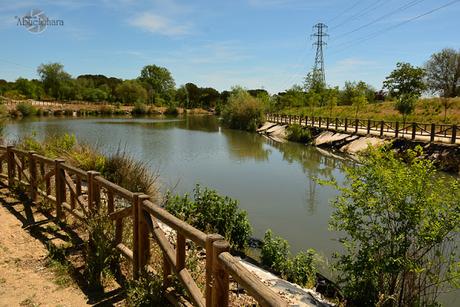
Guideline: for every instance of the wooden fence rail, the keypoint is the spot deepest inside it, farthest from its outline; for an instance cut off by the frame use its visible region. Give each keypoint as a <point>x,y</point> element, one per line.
<point>413,131</point>
<point>80,194</point>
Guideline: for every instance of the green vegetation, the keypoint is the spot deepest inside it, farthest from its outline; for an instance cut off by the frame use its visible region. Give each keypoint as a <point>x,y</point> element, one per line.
<point>406,85</point>
<point>148,290</point>
<point>297,133</point>
<point>212,213</point>
<point>243,111</point>
<point>299,268</point>
<point>400,221</point>
<point>26,109</point>
<point>100,254</point>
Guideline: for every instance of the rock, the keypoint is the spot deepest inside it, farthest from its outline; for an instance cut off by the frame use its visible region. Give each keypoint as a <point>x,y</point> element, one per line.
<point>329,137</point>
<point>266,126</point>
<point>361,144</point>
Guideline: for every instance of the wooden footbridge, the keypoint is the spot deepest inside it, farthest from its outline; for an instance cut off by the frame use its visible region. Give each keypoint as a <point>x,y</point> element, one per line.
<point>441,133</point>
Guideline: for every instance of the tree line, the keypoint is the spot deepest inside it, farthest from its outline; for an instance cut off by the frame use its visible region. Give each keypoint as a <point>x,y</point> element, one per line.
<point>155,85</point>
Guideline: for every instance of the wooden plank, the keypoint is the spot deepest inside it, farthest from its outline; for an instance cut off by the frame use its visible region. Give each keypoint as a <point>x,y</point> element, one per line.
<point>183,275</point>
<point>117,190</point>
<point>125,251</point>
<point>220,285</point>
<point>120,214</point>
<point>255,287</point>
<point>187,230</point>
<point>74,212</point>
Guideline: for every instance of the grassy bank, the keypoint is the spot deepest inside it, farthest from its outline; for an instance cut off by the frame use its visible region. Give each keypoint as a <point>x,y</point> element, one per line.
<point>428,110</point>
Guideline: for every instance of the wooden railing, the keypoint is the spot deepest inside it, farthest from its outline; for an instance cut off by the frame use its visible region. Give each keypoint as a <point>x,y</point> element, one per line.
<point>414,131</point>
<point>79,193</point>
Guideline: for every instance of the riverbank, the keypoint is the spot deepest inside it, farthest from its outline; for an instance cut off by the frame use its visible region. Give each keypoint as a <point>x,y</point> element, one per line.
<point>82,108</point>
<point>446,157</point>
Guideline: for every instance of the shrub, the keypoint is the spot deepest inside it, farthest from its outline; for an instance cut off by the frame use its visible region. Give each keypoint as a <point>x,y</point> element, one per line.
<point>210,212</point>
<point>275,252</point>
<point>400,221</point>
<point>139,109</point>
<point>100,255</point>
<point>148,290</point>
<point>133,175</point>
<point>26,109</point>
<point>243,111</point>
<point>297,133</point>
<point>299,269</point>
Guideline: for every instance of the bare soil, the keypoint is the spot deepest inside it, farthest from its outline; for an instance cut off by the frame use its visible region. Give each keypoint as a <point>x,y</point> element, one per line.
<point>25,279</point>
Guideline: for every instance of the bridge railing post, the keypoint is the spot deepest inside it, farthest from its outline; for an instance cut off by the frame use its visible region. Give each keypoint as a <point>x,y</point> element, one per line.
<point>336,123</point>
<point>453,139</point>
<point>10,165</point>
<point>346,124</point>
<point>382,125</point>
<point>356,125</point>
<point>32,177</point>
<point>59,186</point>
<point>433,132</point>
<point>396,129</point>
<point>220,286</point>
<point>414,130</point>
<point>368,126</point>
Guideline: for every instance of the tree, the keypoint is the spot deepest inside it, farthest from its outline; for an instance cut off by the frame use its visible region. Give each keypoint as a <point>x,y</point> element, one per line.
<point>443,73</point>
<point>359,99</point>
<point>131,91</point>
<point>53,78</point>
<point>332,96</point>
<point>159,81</point>
<point>30,88</point>
<point>405,83</point>
<point>399,222</point>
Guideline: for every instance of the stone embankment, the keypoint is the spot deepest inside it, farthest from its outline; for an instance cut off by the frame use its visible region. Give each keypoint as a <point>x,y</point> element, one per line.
<point>445,156</point>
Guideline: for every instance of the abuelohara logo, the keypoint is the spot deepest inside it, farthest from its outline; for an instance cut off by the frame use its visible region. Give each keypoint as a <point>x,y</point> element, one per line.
<point>35,21</point>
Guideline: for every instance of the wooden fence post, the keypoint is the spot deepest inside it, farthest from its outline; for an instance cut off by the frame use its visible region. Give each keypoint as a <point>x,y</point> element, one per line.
<point>336,123</point>
<point>93,191</point>
<point>306,121</point>
<point>368,126</point>
<point>356,125</point>
<point>346,124</point>
<point>382,124</point>
<point>312,121</point>
<point>300,120</point>
<point>319,121</point>
<point>180,252</point>
<point>10,165</point>
<point>433,132</point>
<point>414,130</point>
<point>290,119</point>
<point>453,140</point>
<point>32,177</point>
<point>135,213</point>
<point>143,235</point>
<point>220,286</point>
<point>396,129</point>
<point>59,186</point>
<point>327,123</point>
<point>209,261</point>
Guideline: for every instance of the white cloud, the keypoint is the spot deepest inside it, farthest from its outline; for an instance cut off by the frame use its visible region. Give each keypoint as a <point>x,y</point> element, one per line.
<point>157,24</point>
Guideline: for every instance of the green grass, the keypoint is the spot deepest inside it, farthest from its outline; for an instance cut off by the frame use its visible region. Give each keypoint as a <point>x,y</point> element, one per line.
<point>428,110</point>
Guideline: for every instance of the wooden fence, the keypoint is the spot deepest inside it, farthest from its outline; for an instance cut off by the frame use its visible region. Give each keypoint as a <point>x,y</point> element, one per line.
<point>414,131</point>
<point>79,193</point>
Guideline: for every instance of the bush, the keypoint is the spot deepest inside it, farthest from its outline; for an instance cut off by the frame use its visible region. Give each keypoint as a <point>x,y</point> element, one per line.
<point>139,109</point>
<point>148,290</point>
<point>26,109</point>
<point>299,269</point>
<point>210,212</point>
<point>400,221</point>
<point>275,252</point>
<point>133,175</point>
<point>297,133</point>
<point>243,111</point>
<point>100,255</point>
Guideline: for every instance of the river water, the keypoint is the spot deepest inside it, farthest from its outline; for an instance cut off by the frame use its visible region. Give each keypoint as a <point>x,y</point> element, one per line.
<point>273,182</point>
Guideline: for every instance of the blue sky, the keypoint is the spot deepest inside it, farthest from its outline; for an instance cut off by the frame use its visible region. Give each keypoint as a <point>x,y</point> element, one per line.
<point>253,43</point>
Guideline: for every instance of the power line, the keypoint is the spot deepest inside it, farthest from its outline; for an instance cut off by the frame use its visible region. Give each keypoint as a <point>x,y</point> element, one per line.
<point>399,9</point>
<point>361,13</point>
<point>380,32</point>
<point>345,11</point>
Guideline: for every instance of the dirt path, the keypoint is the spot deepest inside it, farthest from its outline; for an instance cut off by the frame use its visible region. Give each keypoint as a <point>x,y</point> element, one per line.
<point>24,278</point>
